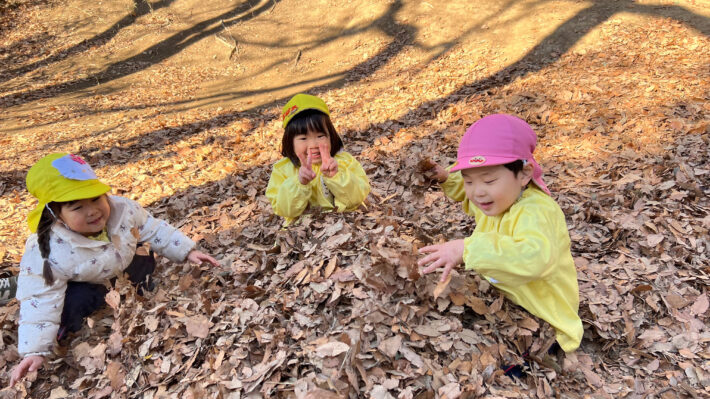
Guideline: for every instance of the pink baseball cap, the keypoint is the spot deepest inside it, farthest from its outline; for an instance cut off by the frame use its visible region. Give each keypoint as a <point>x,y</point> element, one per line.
<point>496,140</point>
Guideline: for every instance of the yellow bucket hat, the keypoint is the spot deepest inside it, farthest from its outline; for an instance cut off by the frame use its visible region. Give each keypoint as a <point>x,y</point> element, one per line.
<point>302,102</point>
<point>61,177</point>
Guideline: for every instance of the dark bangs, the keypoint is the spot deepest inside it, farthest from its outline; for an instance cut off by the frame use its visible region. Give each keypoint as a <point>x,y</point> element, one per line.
<point>515,166</point>
<point>314,121</point>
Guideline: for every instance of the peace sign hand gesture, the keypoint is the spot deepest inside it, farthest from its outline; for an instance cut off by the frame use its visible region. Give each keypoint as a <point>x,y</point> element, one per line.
<point>305,173</point>
<point>329,166</point>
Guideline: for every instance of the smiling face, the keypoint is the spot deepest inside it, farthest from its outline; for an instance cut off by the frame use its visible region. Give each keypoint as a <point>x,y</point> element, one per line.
<point>87,216</point>
<point>304,144</point>
<point>493,189</point>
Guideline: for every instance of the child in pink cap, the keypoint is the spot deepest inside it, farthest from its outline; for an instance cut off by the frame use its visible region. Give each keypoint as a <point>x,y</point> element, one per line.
<point>520,244</point>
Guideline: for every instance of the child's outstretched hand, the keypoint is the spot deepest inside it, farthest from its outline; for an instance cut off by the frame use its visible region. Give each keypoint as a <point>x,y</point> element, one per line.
<point>305,173</point>
<point>328,166</point>
<point>433,171</point>
<point>198,258</point>
<point>447,255</point>
<point>30,363</point>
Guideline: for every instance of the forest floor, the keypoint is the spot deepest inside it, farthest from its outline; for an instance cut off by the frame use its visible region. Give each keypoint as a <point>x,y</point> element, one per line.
<point>176,104</point>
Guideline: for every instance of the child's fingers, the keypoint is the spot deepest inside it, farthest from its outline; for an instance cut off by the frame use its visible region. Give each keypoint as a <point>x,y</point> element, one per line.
<point>302,158</point>
<point>428,259</point>
<point>35,365</point>
<point>213,261</point>
<point>437,264</point>
<point>324,153</point>
<point>446,272</point>
<point>428,248</point>
<point>309,161</point>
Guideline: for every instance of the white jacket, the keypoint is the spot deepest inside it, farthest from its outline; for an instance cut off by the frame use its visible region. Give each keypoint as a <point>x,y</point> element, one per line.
<point>77,258</point>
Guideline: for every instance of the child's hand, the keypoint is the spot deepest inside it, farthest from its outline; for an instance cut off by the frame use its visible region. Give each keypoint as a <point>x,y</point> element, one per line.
<point>328,166</point>
<point>305,173</point>
<point>30,363</point>
<point>448,255</point>
<point>198,258</point>
<point>433,171</point>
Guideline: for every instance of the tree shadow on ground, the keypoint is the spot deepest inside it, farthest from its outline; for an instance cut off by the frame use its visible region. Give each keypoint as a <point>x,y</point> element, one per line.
<point>542,55</point>
<point>151,56</point>
<point>140,8</point>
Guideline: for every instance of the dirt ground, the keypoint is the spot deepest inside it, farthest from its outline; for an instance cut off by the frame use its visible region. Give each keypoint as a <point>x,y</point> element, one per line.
<point>176,104</point>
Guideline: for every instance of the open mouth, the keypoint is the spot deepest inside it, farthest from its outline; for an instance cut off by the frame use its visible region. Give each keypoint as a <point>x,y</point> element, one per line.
<point>485,205</point>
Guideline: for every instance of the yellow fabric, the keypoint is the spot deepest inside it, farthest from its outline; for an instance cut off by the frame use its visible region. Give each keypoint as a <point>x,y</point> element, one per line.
<point>47,184</point>
<point>102,236</point>
<point>525,252</point>
<point>302,102</point>
<point>289,198</point>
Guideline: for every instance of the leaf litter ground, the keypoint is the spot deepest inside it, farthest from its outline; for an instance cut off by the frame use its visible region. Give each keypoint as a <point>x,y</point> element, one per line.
<point>335,306</point>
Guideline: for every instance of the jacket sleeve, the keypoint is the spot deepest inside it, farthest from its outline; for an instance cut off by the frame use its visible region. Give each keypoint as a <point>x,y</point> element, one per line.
<point>164,239</point>
<point>40,305</point>
<point>517,259</point>
<point>288,197</point>
<point>350,185</point>
<point>453,188</point>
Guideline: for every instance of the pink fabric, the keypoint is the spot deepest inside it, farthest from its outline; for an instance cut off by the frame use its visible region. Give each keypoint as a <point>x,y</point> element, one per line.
<point>499,139</point>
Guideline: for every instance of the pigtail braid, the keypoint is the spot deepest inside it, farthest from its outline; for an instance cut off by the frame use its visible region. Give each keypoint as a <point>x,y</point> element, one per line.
<point>45,225</point>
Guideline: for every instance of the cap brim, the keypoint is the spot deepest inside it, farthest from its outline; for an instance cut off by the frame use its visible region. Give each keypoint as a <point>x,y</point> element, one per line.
<point>293,115</point>
<point>87,189</point>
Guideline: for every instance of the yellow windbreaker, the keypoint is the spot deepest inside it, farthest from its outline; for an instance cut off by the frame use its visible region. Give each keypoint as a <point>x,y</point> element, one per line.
<point>525,252</point>
<point>342,192</point>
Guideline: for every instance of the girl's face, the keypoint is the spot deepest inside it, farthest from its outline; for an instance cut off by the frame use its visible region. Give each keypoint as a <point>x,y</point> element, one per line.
<point>493,189</point>
<point>305,144</point>
<point>87,216</point>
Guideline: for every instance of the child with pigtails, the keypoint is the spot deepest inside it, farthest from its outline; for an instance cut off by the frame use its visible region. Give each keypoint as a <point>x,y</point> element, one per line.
<point>82,238</point>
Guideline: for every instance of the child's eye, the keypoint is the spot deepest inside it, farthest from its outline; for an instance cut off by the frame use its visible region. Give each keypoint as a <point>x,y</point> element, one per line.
<point>490,181</point>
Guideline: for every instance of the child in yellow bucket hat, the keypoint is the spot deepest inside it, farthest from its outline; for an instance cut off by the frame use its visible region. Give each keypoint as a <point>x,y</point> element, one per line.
<point>82,237</point>
<point>315,170</point>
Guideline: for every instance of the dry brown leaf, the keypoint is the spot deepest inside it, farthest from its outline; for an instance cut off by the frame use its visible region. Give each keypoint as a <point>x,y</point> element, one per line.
<point>198,326</point>
<point>442,285</point>
<point>334,348</point>
<point>113,299</point>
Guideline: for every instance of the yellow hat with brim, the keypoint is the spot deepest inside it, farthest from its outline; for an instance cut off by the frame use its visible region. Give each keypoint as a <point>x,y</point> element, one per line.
<point>300,103</point>
<point>61,177</point>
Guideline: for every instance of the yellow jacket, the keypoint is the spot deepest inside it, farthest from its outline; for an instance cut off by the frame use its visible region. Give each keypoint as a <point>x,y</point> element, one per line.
<point>343,192</point>
<point>525,252</point>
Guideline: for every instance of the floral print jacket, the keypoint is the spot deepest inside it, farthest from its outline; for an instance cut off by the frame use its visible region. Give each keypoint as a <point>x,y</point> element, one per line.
<point>74,257</point>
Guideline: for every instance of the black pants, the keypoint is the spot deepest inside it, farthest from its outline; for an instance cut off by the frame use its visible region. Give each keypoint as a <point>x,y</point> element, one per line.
<point>82,299</point>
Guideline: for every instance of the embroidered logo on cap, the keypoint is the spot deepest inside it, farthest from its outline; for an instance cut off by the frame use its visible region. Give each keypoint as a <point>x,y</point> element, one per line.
<point>288,111</point>
<point>73,167</point>
<point>477,160</point>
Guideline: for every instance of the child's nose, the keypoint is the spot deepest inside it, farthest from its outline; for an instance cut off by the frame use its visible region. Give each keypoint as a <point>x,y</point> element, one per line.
<point>479,192</point>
